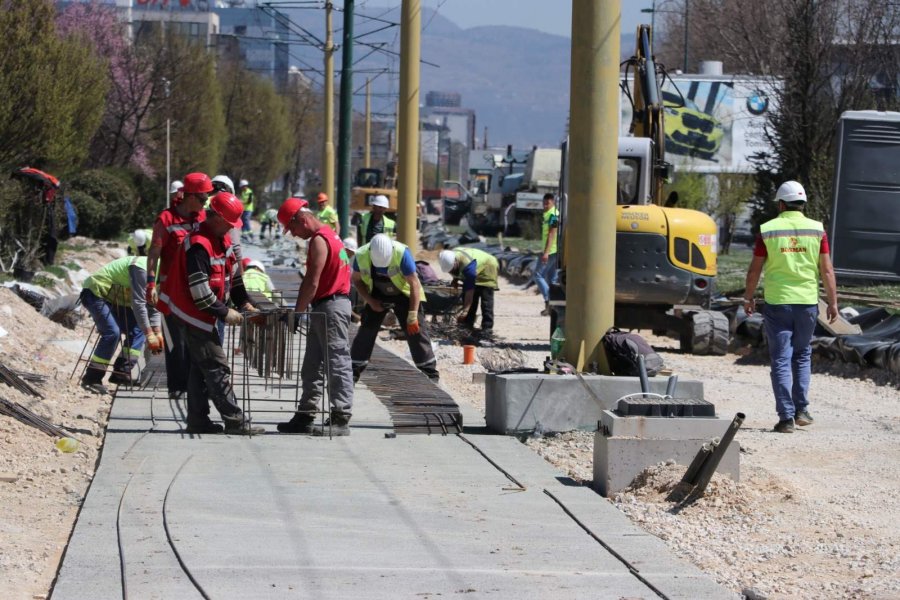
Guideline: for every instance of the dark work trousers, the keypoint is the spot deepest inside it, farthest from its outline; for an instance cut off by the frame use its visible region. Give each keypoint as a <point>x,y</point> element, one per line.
<point>485,295</point>
<point>178,365</point>
<point>370,323</point>
<point>210,377</point>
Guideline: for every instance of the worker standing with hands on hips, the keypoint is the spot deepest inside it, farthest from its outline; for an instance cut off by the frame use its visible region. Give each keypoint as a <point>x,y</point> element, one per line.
<point>478,271</point>
<point>200,289</point>
<point>166,252</point>
<point>384,272</point>
<point>375,221</point>
<point>792,252</point>
<point>325,290</point>
<point>115,298</point>
<point>545,270</point>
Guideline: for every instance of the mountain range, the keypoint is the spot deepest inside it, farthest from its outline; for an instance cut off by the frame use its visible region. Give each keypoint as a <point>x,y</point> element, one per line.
<point>515,79</point>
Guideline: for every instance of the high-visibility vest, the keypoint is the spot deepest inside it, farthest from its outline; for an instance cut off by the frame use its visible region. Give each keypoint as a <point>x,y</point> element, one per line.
<point>389,226</point>
<point>176,228</point>
<point>221,266</point>
<point>257,281</point>
<point>112,282</point>
<point>247,199</point>
<point>792,263</point>
<point>131,243</point>
<point>364,262</point>
<point>486,267</point>
<point>328,216</point>
<point>545,229</point>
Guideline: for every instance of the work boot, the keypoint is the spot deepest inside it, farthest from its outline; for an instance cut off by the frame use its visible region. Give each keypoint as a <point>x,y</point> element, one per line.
<point>92,381</point>
<point>785,426</point>
<point>241,425</point>
<point>803,418</point>
<point>546,311</point>
<point>204,427</point>
<point>298,424</point>
<point>336,426</point>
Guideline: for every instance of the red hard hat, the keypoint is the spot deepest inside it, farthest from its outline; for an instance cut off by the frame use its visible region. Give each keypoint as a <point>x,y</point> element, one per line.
<point>197,183</point>
<point>289,209</point>
<point>245,263</point>
<point>322,197</point>
<point>228,206</point>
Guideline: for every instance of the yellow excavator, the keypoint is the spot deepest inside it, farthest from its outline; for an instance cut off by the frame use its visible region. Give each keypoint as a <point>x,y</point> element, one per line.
<point>665,256</point>
<point>373,182</point>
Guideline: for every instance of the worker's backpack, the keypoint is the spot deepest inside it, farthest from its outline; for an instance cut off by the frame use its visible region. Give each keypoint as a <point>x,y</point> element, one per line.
<point>623,349</point>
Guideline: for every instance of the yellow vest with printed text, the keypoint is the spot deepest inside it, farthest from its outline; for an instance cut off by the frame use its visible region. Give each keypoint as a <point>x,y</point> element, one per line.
<point>792,264</point>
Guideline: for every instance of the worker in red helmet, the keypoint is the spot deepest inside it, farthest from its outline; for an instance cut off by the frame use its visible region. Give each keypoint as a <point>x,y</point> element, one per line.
<point>208,274</point>
<point>171,227</point>
<point>326,292</point>
<point>327,214</point>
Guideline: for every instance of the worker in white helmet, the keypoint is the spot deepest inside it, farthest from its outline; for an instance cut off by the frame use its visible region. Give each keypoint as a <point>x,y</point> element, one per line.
<point>375,221</point>
<point>139,242</point>
<point>478,272</point>
<point>792,252</point>
<point>384,275</point>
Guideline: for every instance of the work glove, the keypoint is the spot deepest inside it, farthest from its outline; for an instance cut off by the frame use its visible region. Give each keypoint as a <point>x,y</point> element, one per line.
<point>412,324</point>
<point>152,294</point>
<point>155,343</point>
<point>233,317</point>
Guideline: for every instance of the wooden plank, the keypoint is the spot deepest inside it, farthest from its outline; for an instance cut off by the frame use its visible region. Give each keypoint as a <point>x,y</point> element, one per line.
<point>841,326</point>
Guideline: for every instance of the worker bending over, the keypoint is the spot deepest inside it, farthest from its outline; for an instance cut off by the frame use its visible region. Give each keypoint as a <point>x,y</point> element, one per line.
<point>255,278</point>
<point>478,272</point>
<point>114,296</point>
<point>384,275</point>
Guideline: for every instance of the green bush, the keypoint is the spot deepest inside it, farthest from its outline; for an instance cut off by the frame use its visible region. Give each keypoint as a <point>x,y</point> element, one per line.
<point>116,197</point>
<point>22,219</point>
<point>152,198</point>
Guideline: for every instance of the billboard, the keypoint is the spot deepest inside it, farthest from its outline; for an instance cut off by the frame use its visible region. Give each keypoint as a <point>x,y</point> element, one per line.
<point>713,124</point>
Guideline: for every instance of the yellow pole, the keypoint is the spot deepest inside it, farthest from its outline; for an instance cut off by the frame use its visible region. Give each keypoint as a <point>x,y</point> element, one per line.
<point>593,153</point>
<point>368,155</point>
<point>328,146</point>
<point>408,138</point>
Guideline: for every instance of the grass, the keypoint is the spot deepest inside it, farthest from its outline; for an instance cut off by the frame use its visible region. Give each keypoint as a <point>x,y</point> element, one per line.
<point>56,270</point>
<point>733,271</point>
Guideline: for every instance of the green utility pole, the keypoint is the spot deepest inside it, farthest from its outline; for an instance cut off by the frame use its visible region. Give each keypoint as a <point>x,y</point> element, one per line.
<point>590,224</point>
<point>328,148</point>
<point>408,139</point>
<point>345,125</point>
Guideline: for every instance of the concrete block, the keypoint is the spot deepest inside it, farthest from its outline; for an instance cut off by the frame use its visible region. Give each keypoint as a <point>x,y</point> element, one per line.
<point>677,428</point>
<point>618,460</point>
<point>516,402</point>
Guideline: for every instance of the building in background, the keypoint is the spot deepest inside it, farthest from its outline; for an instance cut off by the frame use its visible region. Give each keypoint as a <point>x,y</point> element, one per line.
<point>448,134</point>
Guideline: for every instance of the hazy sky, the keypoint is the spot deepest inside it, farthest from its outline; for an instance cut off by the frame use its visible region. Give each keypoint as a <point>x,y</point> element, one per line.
<point>552,16</point>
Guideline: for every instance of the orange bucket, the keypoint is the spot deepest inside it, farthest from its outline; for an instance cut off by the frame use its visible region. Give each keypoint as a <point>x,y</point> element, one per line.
<point>468,355</point>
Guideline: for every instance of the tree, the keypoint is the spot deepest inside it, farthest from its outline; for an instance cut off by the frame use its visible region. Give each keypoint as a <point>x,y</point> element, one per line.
<point>735,189</point>
<point>305,113</point>
<point>259,129</point>
<point>53,89</point>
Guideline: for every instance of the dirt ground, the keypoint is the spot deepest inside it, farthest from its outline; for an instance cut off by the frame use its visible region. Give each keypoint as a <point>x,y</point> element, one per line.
<point>815,512</point>
<point>814,515</point>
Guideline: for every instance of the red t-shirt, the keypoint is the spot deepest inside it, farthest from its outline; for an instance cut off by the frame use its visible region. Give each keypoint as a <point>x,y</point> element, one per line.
<point>335,277</point>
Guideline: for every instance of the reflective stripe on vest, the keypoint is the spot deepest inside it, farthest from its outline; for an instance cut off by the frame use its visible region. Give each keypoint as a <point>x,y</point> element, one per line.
<point>257,281</point>
<point>486,267</point>
<point>394,273</point>
<point>791,269</point>
<point>178,297</point>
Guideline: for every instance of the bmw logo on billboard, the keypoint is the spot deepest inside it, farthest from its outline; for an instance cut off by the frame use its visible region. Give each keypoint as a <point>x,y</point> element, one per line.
<point>757,103</point>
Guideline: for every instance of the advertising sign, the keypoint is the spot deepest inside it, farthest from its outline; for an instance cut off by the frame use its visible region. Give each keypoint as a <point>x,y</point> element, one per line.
<point>713,124</point>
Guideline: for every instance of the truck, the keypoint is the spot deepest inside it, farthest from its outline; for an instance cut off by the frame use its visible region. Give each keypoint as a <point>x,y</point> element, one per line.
<point>509,199</point>
<point>665,255</point>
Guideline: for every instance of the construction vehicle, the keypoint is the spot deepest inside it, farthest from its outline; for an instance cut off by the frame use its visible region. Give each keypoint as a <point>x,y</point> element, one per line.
<point>373,182</point>
<point>665,256</point>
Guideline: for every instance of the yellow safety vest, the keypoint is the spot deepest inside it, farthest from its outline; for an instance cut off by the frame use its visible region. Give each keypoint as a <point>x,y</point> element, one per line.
<point>486,267</point>
<point>792,263</point>
<point>364,262</point>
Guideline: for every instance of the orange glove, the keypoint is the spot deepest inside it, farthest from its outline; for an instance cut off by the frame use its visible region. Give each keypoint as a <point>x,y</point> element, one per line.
<point>412,324</point>
<point>155,343</point>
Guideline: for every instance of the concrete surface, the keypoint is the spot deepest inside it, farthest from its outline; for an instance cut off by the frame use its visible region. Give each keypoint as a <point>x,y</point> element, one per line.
<point>518,402</point>
<point>292,516</point>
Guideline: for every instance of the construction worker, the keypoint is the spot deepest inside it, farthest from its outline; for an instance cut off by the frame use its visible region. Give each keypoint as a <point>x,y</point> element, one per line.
<point>327,214</point>
<point>269,222</point>
<point>223,183</point>
<point>792,250</point>
<point>171,227</point>
<point>246,197</point>
<point>139,242</point>
<point>255,278</point>
<point>375,221</point>
<point>384,275</point>
<point>545,271</point>
<point>325,292</point>
<point>175,193</point>
<point>478,272</point>
<point>206,276</point>
<point>115,298</point>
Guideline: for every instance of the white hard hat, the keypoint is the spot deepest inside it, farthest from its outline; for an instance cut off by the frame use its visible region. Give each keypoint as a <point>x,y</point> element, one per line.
<point>243,182</point>
<point>140,237</point>
<point>380,200</point>
<point>256,264</point>
<point>226,180</point>
<point>382,249</point>
<point>175,187</point>
<point>790,192</point>
<point>447,258</point>
<point>350,244</point>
